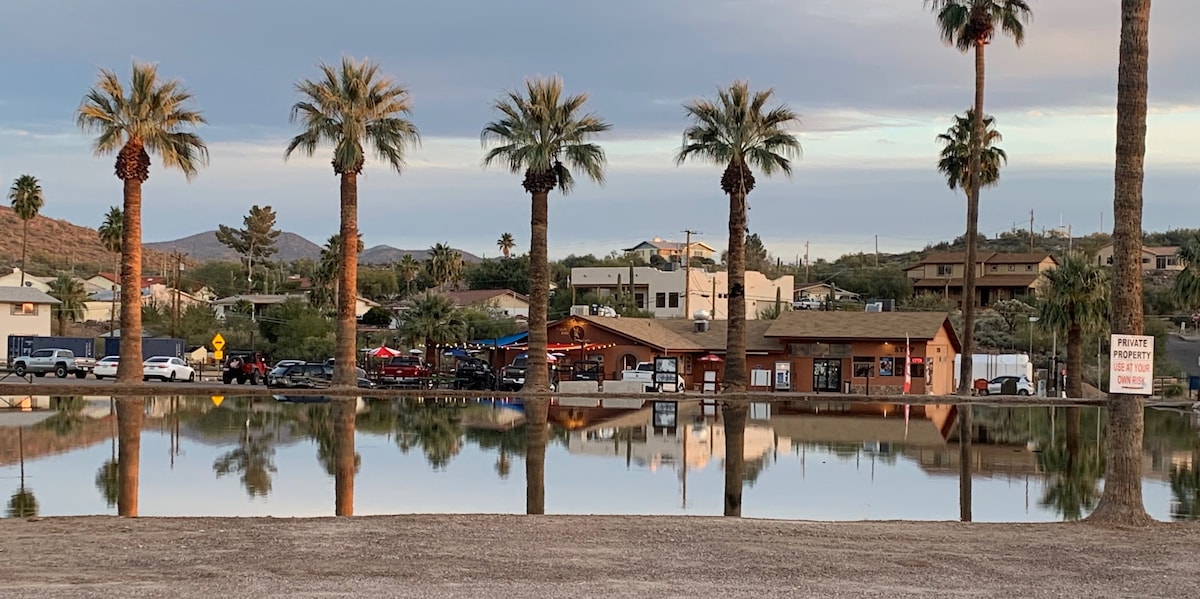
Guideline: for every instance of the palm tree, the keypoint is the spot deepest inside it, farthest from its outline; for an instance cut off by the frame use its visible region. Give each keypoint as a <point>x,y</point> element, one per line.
<point>409,269</point>
<point>738,131</point>
<point>152,116</point>
<point>544,135</point>
<point>506,244</point>
<point>1122,501</point>
<point>27,200</point>
<point>71,297</point>
<point>1186,287</point>
<point>1075,300</point>
<point>110,236</point>
<point>351,107</point>
<point>955,158</point>
<point>970,25</point>
<point>444,265</point>
<point>432,320</point>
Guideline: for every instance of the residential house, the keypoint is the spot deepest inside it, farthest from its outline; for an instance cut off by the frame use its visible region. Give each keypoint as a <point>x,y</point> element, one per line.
<point>13,279</point>
<point>262,301</point>
<point>23,311</point>
<point>104,306</point>
<point>505,302</point>
<point>802,351</point>
<point>673,293</point>
<point>105,281</point>
<point>671,251</point>
<point>822,291</point>
<point>998,276</point>
<point>1153,257</point>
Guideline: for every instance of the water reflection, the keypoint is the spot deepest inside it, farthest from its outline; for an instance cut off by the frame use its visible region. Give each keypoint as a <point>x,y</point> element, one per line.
<point>822,460</point>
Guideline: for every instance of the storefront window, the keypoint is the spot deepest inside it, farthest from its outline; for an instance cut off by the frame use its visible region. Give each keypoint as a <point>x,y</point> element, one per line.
<point>864,366</point>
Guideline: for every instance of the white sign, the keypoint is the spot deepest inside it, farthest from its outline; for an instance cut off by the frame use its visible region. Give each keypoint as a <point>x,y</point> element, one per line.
<point>1131,364</point>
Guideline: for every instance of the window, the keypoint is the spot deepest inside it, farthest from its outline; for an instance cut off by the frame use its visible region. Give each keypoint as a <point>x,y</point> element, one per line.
<point>1028,267</point>
<point>1012,267</point>
<point>945,270</point>
<point>994,267</point>
<point>640,300</point>
<point>864,366</point>
<point>917,369</point>
<point>1162,262</point>
<point>26,309</point>
<point>660,300</point>
<point>673,300</point>
<point>1108,260</point>
<point>887,365</point>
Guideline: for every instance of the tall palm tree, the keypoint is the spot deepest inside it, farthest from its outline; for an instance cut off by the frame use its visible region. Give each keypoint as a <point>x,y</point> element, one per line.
<point>432,320</point>
<point>506,244</point>
<point>350,107</point>
<point>738,131</point>
<point>1122,499</point>
<point>409,269</point>
<point>153,115</point>
<point>444,265</point>
<point>27,200</point>
<point>110,233</point>
<point>543,134</point>
<point>954,161</point>
<point>1075,300</point>
<point>1186,287</point>
<point>71,297</point>
<point>970,25</point>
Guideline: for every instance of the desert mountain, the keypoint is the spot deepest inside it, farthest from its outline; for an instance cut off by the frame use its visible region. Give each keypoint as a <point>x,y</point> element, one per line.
<point>204,247</point>
<point>56,245</point>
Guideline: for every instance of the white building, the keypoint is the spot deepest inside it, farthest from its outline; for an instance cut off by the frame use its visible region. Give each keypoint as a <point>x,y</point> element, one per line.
<point>23,311</point>
<point>13,279</point>
<point>670,293</point>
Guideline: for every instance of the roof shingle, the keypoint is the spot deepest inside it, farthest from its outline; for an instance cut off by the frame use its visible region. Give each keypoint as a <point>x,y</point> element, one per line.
<point>25,295</point>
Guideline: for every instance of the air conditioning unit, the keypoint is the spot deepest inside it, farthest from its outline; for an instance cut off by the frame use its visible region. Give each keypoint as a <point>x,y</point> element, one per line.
<point>700,326</point>
<point>580,310</point>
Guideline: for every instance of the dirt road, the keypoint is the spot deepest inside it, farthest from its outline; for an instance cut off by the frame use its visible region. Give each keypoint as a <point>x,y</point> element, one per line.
<point>610,556</point>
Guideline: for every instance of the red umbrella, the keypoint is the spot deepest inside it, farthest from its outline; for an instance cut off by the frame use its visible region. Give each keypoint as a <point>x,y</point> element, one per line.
<point>711,358</point>
<point>384,351</point>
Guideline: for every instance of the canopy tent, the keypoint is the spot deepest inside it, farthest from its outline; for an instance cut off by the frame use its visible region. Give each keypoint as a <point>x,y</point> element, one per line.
<point>384,351</point>
<point>502,341</point>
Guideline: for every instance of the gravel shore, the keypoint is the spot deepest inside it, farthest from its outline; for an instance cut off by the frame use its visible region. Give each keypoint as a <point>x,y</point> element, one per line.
<point>587,556</point>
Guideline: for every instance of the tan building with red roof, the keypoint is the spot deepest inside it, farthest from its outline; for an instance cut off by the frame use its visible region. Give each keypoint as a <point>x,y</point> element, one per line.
<point>998,276</point>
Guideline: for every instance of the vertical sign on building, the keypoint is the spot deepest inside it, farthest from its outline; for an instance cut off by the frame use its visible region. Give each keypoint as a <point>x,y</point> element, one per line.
<point>1131,364</point>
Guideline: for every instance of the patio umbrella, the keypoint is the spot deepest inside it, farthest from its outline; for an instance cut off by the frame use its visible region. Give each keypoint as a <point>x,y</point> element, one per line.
<point>458,352</point>
<point>711,358</point>
<point>384,351</point>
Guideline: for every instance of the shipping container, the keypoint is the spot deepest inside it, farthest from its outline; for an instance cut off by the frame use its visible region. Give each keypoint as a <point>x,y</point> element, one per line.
<point>23,345</point>
<point>151,346</point>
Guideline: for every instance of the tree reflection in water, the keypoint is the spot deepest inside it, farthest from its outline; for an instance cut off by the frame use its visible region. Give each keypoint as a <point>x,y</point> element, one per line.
<point>537,435</point>
<point>254,457</point>
<point>130,415</point>
<point>1185,490</point>
<point>346,460</point>
<point>1072,472</point>
<point>734,413</point>
<point>22,504</point>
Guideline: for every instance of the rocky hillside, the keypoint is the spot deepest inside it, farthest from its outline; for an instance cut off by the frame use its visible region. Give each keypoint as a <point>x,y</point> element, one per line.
<point>59,245</point>
<point>204,247</point>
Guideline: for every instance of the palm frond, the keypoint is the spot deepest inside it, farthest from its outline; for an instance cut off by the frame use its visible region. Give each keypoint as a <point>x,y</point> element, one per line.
<point>965,23</point>
<point>738,126</point>
<point>954,158</point>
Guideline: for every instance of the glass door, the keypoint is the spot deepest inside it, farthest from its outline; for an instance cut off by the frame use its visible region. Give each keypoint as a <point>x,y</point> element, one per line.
<point>827,375</point>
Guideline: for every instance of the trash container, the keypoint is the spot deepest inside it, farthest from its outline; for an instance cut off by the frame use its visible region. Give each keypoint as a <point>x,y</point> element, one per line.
<point>846,387</point>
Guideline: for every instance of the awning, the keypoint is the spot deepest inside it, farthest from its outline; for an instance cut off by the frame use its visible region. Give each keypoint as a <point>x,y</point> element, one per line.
<point>502,341</point>
<point>559,346</point>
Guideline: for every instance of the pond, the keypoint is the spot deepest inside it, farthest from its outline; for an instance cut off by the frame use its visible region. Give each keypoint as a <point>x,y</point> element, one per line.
<point>288,457</point>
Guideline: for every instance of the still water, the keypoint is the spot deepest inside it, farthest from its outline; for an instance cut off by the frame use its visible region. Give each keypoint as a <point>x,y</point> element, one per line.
<point>193,456</point>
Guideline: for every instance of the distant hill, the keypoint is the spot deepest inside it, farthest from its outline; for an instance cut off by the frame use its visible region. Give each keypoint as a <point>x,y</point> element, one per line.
<point>56,244</point>
<point>386,254</point>
<point>204,247</point>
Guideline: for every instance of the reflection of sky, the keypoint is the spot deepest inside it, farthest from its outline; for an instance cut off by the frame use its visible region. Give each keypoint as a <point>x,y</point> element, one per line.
<point>811,485</point>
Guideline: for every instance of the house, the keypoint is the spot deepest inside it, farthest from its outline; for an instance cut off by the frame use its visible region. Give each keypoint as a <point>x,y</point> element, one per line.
<point>13,279</point>
<point>1153,257</point>
<point>105,281</point>
<point>822,291</point>
<point>803,351</point>
<point>502,301</point>
<point>671,251</point>
<point>262,301</point>
<point>23,311</point>
<point>998,275</point>
<point>680,292</point>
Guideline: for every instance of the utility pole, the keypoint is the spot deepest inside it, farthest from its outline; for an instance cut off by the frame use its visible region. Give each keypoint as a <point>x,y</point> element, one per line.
<point>177,271</point>
<point>876,251</point>
<point>1070,239</point>
<point>1031,230</point>
<point>805,262</point>
<point>687,272</point>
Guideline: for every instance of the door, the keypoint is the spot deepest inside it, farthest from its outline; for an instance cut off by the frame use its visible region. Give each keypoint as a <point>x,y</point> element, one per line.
<point>827,375</point>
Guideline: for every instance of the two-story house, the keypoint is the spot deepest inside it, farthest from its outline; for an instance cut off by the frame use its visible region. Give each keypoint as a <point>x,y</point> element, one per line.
<point>671,251</point>
<point>671,293</point>
<point>998,276</point>
<point>1153,257</point>
<point>23,311</point>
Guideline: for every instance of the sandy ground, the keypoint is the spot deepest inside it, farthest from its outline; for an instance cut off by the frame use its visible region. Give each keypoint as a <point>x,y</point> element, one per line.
<point>610,556</point>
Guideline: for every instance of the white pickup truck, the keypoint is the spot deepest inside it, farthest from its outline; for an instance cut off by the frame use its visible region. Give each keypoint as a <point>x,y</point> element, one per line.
<point>645,373</point>
<point>59,361</point>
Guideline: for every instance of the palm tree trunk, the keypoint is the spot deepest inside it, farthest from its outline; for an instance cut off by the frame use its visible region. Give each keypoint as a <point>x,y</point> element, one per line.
<point>345,360</point>
<point>1122,501</point>
<point>343,452</point>
<point>1075,361</point>
<point>537,436</point>
<point>735,258</point>
<point>129,448</point>
<point>24,244</point>
<point>129,368</point>
<point>965,465</point>
<point>967,369</point>
<point>734,413</point>
<point>537,374</point>
<point>112,305</point>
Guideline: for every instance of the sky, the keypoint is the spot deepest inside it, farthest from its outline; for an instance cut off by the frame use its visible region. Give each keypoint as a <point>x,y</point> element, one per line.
<point>871,79</point>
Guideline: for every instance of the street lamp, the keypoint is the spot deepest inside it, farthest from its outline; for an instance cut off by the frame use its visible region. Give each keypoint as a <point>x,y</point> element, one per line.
<point>1032,319</point>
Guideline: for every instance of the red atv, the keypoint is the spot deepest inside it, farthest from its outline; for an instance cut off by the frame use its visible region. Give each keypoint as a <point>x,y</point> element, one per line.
<point>244,366</point>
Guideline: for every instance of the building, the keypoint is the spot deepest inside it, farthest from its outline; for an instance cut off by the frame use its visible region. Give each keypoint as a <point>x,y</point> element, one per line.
<point>672,293</point>
<point>998,276</point>
<point>1153,257</point>
<point>505,302</point>
<point>671,251</point>
<point>23,311</point>
<point>105,281</point>
<point>13,279</point>
<point>822,291</point>
<point>262,301</point>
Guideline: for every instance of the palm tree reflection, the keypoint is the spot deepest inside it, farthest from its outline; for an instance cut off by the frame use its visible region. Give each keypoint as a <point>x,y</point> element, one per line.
<point>22,504</point>
<point>130,414</point>
<point>346,460</point>
<point>734,412</point>
<point>1071,472</point>
<point>537,435</point>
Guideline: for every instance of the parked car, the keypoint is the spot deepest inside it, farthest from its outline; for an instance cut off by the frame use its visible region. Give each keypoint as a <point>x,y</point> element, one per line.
<point>106,367</point>
<point>167,368</point>
<point>361,373</point>
<point>406,371</point>
<point>59,361</point>
<point>242,366</point>
<point>474,373</point>
<point>1018,385</point>
<point>279,368</point>
<point>311,375</point>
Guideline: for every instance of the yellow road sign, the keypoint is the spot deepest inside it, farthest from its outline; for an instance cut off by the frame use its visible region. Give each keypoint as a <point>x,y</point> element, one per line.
<point>217,399</point>
<point>218,355</point>
<point>218,342</point>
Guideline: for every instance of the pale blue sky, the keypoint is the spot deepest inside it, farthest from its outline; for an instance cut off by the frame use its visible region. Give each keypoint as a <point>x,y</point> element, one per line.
<point>871,78</point>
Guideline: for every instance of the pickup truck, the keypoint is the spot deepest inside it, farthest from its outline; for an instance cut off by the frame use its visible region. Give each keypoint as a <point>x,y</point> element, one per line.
<point>808,303</point>
<point>645,372</point>
<point>59,361</point>
<point>513,376</point>
<point>406,371</point>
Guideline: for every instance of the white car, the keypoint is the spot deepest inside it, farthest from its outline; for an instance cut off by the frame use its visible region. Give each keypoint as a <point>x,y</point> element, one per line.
<point>167,368</point>
<point>106,368</point>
